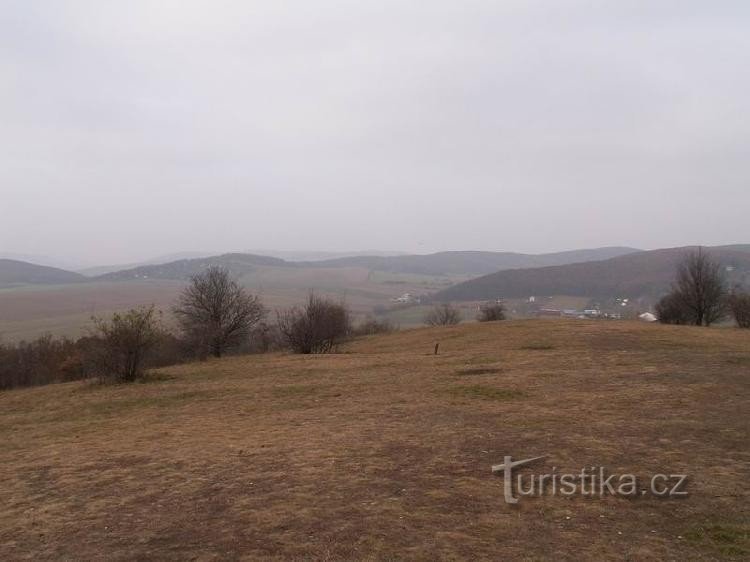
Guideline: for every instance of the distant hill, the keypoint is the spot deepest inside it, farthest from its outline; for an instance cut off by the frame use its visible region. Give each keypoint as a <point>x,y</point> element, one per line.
<point>443,263</point>
<point>47,261</point>
<point>469,262</point>
<point>14,272</point>
<point>634,275</point>
<point>311,255</point>
<point>237,264</point>
<point>99,270</point>
<point>735,247</point>
<point>291,256</point>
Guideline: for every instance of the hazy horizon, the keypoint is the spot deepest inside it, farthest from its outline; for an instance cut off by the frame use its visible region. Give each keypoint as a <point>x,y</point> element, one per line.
<point>63,262</point>
<point>142,129</point>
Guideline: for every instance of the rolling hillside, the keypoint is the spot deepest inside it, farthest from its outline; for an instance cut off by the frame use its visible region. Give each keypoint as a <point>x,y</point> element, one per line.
<point>463,263</point>
<point>643,274</point>
<point>14,273</point>
<point>439,264</point>
<point>100,270</point>
<point>181,270</point>
<point>385,451</point>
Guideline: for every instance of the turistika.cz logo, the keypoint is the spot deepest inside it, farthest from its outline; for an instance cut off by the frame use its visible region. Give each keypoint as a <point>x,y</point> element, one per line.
<point>589,481</point>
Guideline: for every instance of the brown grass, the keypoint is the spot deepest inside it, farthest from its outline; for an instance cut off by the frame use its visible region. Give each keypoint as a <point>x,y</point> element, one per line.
<point>384,451</point>
<point>66,310</point>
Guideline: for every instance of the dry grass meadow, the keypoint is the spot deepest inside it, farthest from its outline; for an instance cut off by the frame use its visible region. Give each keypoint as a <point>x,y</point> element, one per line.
<point>66,310</point>
<point>383,451</point>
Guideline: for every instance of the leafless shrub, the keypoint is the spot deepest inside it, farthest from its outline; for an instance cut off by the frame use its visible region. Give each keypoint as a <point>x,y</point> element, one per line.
<point>125,343</point>
<point>671,310</point>
<point>317,327</point>
<point>491,312</point>
<point>739,306</point>
<point>371,326</point>
<point>216,313</point>
<point>443,314</point>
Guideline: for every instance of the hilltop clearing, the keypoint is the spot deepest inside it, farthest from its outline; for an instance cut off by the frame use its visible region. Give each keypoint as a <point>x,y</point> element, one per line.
<point>384,450</point>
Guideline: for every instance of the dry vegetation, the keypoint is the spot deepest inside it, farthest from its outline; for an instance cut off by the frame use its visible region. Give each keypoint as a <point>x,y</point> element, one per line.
<point>384,451</point>
<point>66,310</point>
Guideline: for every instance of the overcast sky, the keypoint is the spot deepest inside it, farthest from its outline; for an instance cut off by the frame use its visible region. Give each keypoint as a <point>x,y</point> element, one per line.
<point>130,129</point>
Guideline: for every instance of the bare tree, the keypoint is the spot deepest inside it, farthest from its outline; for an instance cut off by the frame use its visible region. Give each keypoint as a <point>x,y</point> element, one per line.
<point>443,314</point>
<point>491,312</point>
<point>700,288</point>
<point>316,327</point>
<point>126,340</point>
<point>216,313</point>
<point>739,306</point>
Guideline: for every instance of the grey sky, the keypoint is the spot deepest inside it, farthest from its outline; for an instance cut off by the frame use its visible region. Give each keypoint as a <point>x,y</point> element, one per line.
<point>132,128</point>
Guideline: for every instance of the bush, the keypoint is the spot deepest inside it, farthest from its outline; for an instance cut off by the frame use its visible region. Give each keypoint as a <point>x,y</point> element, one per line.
<point>739,306</point>
<point>671,310</point>
<point>126,341</point>
<point>443,315</point>
<point>491,312</point>
<point>317,327</point>
<point>372,326</point>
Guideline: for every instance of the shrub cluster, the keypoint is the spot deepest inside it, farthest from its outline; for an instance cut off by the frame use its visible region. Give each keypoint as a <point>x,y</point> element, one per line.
<point>491,312</point>
<point>125,344</point>
<point>444,314</point>
<point>372,326</point>
<point>316,327</point>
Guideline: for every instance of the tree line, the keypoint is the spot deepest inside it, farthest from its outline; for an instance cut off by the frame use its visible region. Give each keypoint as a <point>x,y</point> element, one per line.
<point>215,315</point>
